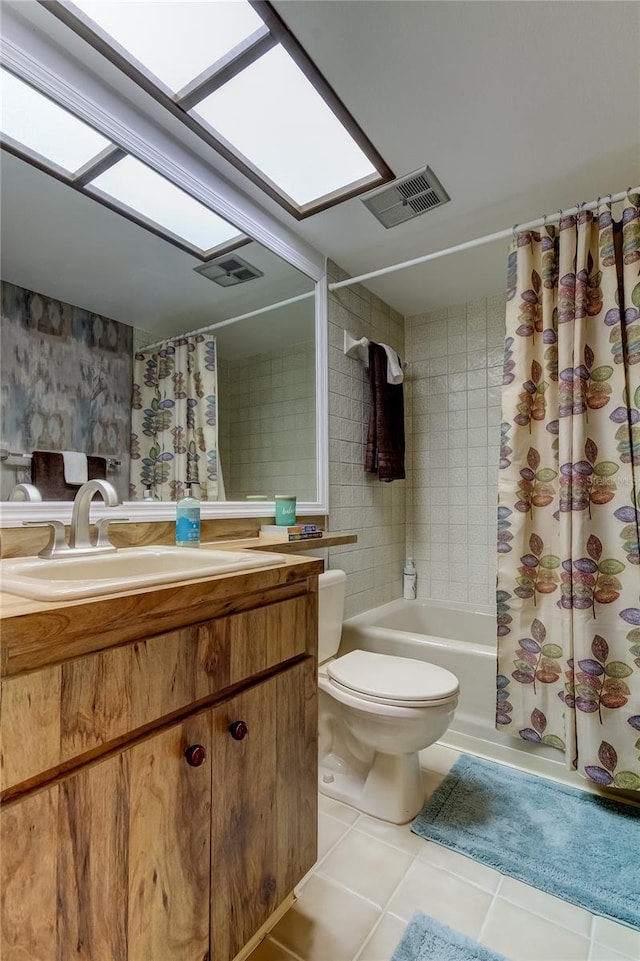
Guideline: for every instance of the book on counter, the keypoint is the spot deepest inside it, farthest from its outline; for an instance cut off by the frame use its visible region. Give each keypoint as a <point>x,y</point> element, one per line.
<point>284,529</point>
<point>292,532</point>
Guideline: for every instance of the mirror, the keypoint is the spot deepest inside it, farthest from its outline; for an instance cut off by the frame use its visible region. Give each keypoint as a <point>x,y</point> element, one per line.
<point>107,287</point>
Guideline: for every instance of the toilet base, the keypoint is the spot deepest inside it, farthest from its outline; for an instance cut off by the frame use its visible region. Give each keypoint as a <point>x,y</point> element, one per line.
<point>390,789</point>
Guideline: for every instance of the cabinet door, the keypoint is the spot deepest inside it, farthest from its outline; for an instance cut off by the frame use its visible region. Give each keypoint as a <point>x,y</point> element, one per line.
<point>264,810</point>
<point>113,862</point>
<point>169,845</point>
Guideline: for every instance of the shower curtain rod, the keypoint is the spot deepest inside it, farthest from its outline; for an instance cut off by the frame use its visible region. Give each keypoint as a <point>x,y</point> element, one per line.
<point>231,320</point>
<point>480,241</point>
<point>468,245</point>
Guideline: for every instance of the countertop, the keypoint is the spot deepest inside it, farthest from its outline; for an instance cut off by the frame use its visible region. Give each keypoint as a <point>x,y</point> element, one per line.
<point>35,633</point>
<point>12,605</point>
<point>271,542</point>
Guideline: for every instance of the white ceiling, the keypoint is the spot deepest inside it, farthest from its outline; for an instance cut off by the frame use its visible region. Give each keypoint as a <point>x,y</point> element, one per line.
<point>520,108</point>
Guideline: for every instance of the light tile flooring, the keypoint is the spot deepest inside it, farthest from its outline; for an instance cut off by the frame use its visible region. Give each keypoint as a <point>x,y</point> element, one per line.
<point>371,876</point>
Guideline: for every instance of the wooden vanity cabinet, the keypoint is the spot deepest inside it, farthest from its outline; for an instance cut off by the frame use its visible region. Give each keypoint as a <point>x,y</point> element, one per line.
<point>176,840</point>
<point>264,803</point>
<point>113,862</point>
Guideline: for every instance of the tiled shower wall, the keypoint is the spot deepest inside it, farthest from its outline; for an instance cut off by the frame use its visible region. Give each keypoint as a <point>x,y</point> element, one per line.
<point>454,377</point>
<point>266,422</point>
<point>270,409</point>
<point>359,502</point>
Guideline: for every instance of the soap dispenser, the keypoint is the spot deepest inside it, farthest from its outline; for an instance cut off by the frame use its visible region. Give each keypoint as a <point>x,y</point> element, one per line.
<point>188,519</point>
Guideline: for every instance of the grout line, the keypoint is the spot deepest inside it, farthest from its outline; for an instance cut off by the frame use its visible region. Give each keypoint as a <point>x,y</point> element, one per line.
<point>385,906</point>
<point>335,844</point>
<point>493,901</point>
<point>294,957</point>
<point>343,887</point>
<point>538,912</point>
<point>384,911</point>
<point>591,938</point>
<point>374,837</point>
<point>456,874</point>
<point>370,935</point>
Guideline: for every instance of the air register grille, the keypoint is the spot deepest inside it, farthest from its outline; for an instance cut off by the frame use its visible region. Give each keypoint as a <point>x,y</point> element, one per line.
<point>406,198</point>
<point>228,271</point>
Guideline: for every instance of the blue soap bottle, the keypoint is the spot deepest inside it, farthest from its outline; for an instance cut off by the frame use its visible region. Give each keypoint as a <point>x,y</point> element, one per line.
<point>188,519</point>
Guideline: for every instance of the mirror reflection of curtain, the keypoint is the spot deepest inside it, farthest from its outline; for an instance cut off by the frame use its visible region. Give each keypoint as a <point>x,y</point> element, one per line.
<point>174,430</point>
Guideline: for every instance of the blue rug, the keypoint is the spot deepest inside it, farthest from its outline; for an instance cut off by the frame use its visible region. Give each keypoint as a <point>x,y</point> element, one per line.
<point>427,940</point>
<point>562,840</point>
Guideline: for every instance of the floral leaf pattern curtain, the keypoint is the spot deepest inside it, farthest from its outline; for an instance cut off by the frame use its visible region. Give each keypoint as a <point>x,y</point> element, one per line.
<point>568,587</point>
<point>174,432</point>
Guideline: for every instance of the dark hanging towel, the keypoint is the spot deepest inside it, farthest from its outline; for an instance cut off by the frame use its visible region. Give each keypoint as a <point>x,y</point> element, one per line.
<point>385,436</point>
<point>47,474</point>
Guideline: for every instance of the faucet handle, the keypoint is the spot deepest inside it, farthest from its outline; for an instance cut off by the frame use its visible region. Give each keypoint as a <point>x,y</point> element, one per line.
<point>102,530</point>
<point>57,541</point>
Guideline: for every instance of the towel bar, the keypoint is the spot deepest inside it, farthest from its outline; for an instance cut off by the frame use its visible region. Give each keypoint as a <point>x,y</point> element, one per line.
<point>17,459</point>
<point>358,348</point>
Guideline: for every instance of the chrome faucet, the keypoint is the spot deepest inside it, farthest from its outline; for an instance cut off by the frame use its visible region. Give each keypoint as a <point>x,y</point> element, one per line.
<point>80,539</point>
<point>80,531</point>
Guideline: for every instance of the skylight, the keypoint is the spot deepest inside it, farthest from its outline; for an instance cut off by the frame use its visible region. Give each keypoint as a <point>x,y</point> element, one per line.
<point>175,40</point>
<point>147,193</point>
<point>45,129</point>
<point>235,75</point>
<point>276,118</point>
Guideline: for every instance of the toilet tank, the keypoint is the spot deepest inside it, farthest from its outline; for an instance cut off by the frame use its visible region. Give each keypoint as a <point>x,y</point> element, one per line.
<point>330,612</point>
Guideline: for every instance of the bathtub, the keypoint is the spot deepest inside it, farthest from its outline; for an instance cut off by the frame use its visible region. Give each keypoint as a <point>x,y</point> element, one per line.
<point>462,639</point>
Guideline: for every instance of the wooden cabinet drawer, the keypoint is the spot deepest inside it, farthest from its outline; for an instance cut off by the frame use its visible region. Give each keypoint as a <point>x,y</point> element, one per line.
<point>60,713</point>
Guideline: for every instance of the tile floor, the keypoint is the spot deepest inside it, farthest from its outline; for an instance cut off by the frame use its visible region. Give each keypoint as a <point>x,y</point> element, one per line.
<point>371,876</point>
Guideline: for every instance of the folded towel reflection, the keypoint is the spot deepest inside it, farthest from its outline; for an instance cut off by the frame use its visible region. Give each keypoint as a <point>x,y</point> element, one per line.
<point>76,468</point>
<point>48,474</point>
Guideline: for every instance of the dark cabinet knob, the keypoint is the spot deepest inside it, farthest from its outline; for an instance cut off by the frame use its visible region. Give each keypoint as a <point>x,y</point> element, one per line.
<point>196,755</point>
<point>238,730</point>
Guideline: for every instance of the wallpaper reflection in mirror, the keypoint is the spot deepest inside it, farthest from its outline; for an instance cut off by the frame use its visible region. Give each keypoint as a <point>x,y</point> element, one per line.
<point>66,383</point>
<point>66,377</point>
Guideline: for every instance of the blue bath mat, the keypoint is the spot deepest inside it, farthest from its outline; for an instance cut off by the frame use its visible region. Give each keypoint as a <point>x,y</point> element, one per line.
<point>425,939</point>
<point>562,840</point>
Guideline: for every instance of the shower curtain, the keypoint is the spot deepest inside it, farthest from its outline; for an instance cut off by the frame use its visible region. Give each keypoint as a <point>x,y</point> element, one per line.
<point>568,587</point>
<point>174,433</point>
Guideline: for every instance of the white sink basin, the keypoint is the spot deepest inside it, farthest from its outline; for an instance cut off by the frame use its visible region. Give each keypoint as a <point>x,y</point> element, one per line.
<point>126,569</point>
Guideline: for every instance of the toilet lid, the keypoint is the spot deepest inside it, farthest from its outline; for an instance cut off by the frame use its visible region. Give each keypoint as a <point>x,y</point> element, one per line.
<point>386,677</point>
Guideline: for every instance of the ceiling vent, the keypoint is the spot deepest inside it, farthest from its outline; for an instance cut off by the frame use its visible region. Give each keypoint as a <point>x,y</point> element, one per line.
<point>406,198</point>
<point>229,270</point>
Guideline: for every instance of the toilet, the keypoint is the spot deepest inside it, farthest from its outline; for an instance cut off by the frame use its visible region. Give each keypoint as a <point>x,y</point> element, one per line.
<point>375,713</point>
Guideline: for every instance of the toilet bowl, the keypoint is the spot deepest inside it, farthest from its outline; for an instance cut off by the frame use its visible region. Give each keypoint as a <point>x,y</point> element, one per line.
<point>376,712</point>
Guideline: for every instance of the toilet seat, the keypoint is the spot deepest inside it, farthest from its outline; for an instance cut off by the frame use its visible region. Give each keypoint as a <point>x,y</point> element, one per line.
<point>387,679</point>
